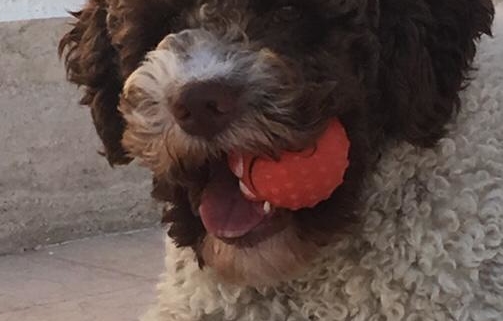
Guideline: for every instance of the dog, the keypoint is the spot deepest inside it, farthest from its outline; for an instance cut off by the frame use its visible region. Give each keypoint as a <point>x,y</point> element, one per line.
<point>179,84</point>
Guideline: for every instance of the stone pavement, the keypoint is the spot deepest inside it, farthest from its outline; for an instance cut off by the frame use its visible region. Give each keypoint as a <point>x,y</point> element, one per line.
<point>105,278</point>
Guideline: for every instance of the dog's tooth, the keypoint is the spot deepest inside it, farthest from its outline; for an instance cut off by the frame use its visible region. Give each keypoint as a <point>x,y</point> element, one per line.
<point>267,208</point>
<point>239,167</point>
<point>246,191</point>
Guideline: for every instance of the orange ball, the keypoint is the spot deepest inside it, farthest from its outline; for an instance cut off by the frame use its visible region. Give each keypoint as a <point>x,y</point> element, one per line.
<point>299,179</point>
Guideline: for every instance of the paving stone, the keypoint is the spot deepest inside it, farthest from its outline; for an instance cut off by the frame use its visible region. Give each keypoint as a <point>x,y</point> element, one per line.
<point>104,278</point>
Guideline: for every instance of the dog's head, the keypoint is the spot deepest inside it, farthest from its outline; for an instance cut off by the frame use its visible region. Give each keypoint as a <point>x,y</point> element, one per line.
<point>200,79</point>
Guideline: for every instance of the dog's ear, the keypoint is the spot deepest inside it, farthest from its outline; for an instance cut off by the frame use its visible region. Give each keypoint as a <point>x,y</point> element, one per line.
<point>426,52</point>
<point>106,44</point>
<point>92,62</point>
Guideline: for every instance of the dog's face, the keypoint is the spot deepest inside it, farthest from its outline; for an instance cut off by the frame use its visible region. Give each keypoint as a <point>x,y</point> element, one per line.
<point>256,76</point>
<point>261,77</point>
<point>199,79</point>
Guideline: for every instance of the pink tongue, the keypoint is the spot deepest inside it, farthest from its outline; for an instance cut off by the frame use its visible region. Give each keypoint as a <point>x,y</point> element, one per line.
<point>224,211</point>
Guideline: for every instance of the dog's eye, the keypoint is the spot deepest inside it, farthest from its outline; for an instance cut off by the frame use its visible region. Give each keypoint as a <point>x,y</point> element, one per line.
<point>287,14</point>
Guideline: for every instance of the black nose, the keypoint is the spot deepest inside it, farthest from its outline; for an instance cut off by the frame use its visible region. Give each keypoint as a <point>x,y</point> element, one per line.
<point>206,108</point>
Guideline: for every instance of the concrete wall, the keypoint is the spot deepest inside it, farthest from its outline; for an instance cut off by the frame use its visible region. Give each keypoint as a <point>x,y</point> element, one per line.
<point>53,185</point>
<point>13,10</point>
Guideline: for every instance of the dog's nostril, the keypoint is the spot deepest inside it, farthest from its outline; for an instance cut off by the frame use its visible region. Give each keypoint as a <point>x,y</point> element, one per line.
<point>214,107</point>
<point>181,112</point>
<point>206,108</point>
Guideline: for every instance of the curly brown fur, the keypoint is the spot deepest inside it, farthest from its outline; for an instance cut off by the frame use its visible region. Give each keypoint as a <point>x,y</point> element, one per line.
<point>91,61</point>
<point>427,48</point>
<point>388,69</point>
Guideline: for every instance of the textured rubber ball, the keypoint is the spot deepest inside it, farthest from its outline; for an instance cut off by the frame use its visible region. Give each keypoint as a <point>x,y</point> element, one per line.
<point>299,179</point>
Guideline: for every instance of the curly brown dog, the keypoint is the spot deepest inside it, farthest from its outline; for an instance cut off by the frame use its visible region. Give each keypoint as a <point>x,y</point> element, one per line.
<point>178,84</point>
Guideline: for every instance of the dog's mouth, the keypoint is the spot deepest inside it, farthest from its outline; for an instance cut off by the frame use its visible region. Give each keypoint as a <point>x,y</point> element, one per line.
<point>227,214</point>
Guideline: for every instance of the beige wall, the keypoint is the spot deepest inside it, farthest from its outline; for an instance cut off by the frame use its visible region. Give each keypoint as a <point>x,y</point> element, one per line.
<point>14,10</point>
<point>53,185</point>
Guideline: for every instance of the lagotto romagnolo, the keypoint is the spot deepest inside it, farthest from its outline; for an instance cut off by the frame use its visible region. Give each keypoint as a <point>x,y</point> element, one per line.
<point>180,84</point>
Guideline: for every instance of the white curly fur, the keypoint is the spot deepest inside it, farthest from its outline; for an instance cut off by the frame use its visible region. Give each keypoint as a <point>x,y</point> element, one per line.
<point>431,248</point>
